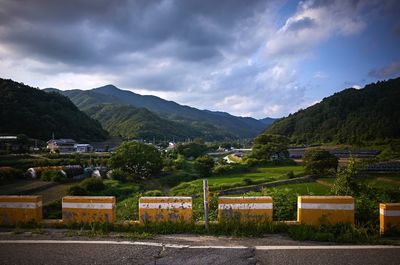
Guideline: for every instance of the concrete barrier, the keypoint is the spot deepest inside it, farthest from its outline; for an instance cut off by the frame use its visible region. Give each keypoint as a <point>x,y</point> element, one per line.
<point>389,217</point>
<point>162,209</point>
<point>245,209</point>
<point>16,209</point>
<point>88,209</point>
<point>315,210</point>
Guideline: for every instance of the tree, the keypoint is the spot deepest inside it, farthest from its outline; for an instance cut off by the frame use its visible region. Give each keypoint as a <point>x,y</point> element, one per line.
<point>138,160</point>
<point>193,149</point>
<point>268,145</point>
<point>320,162</point>
<point>204,165</point>
<point>347,181</point>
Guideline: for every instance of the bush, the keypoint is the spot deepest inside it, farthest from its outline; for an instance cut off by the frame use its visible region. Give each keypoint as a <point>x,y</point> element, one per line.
<point>77,190</point>
<point>93,184</point>
<point>248,181</point>
<point>53,175</point>
<point>52,210</point>
<point>320,162</point>
<point>119,174</point>
<point>204,165</point>
<point>153,193</point>
<point>290,175</point>
<point>229,169</point>
<point>9,174</point>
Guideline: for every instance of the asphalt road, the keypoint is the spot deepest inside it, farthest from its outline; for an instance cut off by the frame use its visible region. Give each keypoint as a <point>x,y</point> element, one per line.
<point>112,252</point>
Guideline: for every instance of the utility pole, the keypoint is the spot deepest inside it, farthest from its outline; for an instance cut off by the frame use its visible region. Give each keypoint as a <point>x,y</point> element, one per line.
<point>205,198</point>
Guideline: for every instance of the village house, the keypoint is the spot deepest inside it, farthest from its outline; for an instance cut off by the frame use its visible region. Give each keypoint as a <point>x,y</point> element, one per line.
<point>83,148</point>
<point>61,146</point>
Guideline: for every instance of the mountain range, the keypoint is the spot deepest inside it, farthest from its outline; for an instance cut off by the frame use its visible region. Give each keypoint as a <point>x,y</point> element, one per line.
<point>352,116</point>
<point>129,115</point>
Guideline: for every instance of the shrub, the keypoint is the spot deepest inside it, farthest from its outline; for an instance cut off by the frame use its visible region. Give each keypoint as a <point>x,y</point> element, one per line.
<point>119,174</point>
<point>53,175</point>
<point>248,181</point>
<point>93,184</point>
<point>153,193</point>
<point>229,169</point>
<point>9,174</point>
<point>320,162</point>
<point>77,190</point>
<point>290,175</point>
<point>204,165</point>
<point>52,210</point>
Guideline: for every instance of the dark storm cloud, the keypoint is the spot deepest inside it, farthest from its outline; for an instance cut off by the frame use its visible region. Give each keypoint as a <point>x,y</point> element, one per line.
<point>97,32</point>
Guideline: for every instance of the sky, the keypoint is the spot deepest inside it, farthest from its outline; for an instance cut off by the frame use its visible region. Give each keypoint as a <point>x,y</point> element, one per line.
<point>249,58</point>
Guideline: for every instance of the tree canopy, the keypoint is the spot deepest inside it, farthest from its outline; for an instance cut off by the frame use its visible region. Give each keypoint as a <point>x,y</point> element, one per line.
<point>137,160</point>
<point>320,162</point>
<point>204,165</point>
<point>265,146</point>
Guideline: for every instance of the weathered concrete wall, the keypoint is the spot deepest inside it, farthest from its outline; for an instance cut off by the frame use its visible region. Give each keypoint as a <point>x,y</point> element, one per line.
<point>316,210</point>
<point>267,185</point>
<point>16,209</point>
<point>389,217</point>
<point>88,209</point>
<point>162,209</point>
<point>245,209</point>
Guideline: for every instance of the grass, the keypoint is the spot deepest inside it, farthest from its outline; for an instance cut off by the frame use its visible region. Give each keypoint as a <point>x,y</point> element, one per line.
<point>265,174</point>
<point>341,233</point>
<point>311,188</point>
<point>221,182</point>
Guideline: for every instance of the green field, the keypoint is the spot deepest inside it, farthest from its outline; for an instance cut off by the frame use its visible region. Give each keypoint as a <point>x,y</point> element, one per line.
<point>265,174</point>
<point>311,188</point>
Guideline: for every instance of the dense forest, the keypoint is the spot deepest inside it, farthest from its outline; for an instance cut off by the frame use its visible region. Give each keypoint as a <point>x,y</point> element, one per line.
<point>37,114</point>
<point>351,116</point>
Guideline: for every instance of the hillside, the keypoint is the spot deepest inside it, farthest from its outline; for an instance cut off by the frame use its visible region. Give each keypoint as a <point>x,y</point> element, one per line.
<point>37,114</point>
<point>130,122</point>
<point>207,124</point>
<point>350,116</point>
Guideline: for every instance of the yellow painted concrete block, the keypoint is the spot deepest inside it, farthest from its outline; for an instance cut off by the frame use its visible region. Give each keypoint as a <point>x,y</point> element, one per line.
<point>389,217</point>
<point>16,209</point>
<point>245,209</point>
<point>88,209</point>
<point>162,209</point>
<point>316,210</point>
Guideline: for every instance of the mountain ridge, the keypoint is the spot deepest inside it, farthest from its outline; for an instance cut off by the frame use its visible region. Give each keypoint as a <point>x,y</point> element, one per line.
<point>349,116</point>
<point>212,122</point>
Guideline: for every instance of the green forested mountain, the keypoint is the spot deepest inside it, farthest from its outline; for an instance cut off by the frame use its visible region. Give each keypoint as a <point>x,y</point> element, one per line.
<point>350,116</point>
<point>37,114</point>
<point>130,122</point>
<point>190,122</point>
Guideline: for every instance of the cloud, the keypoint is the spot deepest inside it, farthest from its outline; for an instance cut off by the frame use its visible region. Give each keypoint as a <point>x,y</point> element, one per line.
<point>388,71</point>
<point>228,55</point>
<point>313,23</point>
<point>320,75</point>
